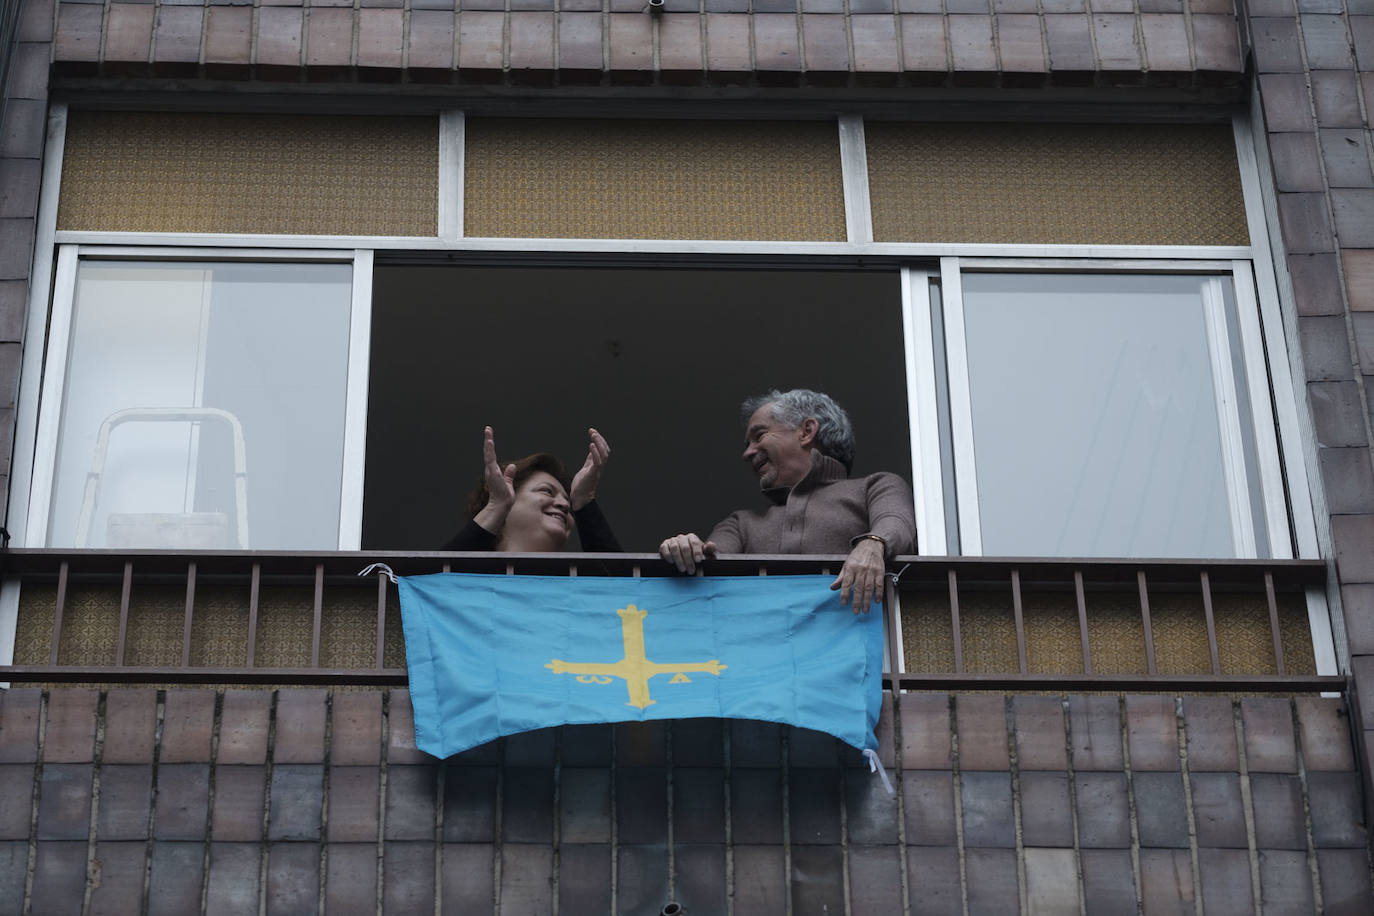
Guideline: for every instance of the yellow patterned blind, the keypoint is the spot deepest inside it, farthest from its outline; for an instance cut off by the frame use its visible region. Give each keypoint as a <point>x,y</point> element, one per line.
<point>1119,184</point>
<point>219,633</point>
<point>253,173</point>
<point>1116,635</point>
<point>772,180</point>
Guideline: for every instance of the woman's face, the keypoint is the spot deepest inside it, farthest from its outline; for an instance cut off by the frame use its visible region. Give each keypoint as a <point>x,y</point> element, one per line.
<point>540,512</point>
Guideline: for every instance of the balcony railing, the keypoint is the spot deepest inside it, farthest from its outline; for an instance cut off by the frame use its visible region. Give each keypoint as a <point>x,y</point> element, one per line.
<point>952,623</point>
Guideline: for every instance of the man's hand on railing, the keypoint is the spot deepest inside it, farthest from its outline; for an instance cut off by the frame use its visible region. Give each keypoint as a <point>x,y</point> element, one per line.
<point>686,552</point>
<point>862,575</point>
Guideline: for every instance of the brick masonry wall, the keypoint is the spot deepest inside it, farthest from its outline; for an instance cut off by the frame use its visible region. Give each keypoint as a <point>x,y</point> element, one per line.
<point>253,800</point>
<point>577,42</point>
<point>1314,64</point>
<point>23,127</point>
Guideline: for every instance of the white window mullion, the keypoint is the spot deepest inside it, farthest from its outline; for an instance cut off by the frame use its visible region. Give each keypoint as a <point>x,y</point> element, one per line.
<point>1262,413</point>
<point>1280,372</point>
<point>1228,418</point>
<point>355,408</point>
<point>31,370</point>
<point>50,411</point>
<point>858,214</point>
<point>923,413</point>
<point>35,325</point>
<point>452,137</point>
<point>960,408</point>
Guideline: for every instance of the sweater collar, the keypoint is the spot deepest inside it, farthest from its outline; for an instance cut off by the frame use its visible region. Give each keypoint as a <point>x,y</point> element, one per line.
<point>823,470</point>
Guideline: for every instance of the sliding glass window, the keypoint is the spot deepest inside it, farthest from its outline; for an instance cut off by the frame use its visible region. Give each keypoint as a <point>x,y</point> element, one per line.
<point>1100,414</point>
<point>203,405</point>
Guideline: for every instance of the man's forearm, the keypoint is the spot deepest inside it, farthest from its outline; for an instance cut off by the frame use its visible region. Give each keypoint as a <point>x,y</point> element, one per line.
<point>726,535</point>
<point>891,514</point>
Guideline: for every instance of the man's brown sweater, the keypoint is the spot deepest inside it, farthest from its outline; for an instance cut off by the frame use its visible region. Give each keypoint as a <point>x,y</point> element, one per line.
<point>824,513</point>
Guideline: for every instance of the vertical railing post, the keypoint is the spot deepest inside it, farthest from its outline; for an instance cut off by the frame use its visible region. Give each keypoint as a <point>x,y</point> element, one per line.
<point>1274,621</point>
<point>125,594</point>
<point>188,616</point>
<point>381,621</point>
<point>892,618</point>
<point>1019,616</point>
<point>318,618</point>
<point>954,622</point>
<point>1206,582</point>
<point>254,590</point>
<point>1082,620</point>
<point>59,609</point>
<point>1145,622</point>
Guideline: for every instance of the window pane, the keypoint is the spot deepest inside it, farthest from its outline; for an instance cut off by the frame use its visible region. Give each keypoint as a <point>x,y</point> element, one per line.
<point>1095,420</point>
<point>184,365</point>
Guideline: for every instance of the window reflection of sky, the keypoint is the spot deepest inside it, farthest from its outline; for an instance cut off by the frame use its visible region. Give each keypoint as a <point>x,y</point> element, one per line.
<point>1094,417</point>
<point>266,342</point>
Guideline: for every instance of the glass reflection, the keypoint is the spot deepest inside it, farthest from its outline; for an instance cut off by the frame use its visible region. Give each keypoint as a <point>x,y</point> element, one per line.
<point>1095,422</point>
<point>220,392</point>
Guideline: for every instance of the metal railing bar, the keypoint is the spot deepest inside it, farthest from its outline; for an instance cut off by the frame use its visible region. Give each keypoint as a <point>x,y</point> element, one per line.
<point>188,615</point>
<point>1206,583</point>
<point>317,620</point>
<point>1069,683</point>
<point>1146,623</point>
<point>204,578</point>
<point>129,674</point>
<point>254,592</point>
<point>72,569</point>
<point>1055,683</point>
<point>1017,613</point>
<point>59,608</point>
<point>954,621</point>
<point>1274,621</point>
<point>1082,621</point>
<point>1161,582</point>
<point>381,622</point>
<point>29,561</point>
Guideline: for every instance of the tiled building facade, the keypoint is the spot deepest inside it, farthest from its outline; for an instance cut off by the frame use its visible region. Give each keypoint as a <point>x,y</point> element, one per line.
<point>248,802</point>
<point>303,800</point>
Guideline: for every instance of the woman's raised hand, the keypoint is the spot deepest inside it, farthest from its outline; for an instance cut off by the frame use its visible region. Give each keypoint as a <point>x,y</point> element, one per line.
<point>584,482</point>
<point>500,487</point>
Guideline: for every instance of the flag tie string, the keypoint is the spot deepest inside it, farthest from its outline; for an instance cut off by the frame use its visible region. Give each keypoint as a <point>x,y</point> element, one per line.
<point>876,766</point>
<point>381,569</point>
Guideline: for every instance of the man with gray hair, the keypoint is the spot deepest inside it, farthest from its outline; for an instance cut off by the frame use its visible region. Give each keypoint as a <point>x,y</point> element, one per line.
<point>800,446</point>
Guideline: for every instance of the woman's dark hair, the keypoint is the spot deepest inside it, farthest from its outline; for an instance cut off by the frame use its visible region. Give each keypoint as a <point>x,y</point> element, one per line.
<point>539,461</point>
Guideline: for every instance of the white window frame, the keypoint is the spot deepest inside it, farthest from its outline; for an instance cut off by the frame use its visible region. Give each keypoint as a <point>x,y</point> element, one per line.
<point>1278,436</point>
<point>40,482</point>
<point>1267,417</point>
<point>1236,475</point>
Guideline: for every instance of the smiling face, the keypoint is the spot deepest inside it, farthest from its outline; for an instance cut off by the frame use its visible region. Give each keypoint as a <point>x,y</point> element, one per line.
<point>778,456</point>
<point>540,519</point>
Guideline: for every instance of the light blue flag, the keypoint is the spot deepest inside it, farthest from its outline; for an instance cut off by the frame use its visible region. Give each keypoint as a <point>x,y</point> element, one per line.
<point>493,655</point>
